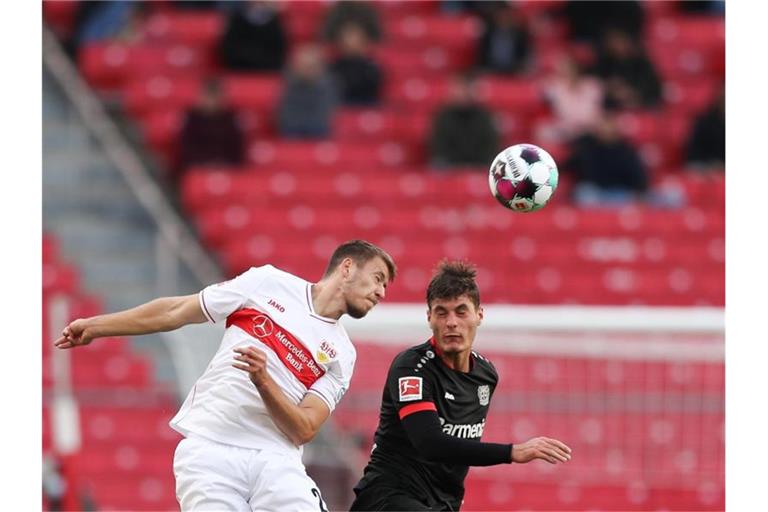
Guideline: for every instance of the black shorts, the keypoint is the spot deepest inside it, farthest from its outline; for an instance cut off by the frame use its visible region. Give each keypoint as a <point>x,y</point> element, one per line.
<point>377,498</point>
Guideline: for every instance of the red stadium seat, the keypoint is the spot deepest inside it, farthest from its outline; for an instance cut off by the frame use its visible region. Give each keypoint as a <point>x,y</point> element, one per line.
<point>691,96</point>
<point>510,94</point>
<point>444,31</point>
<point>703,33</point>
<point>160,92</point>
<point>259,92</point>
<point>110,66</point>
<point>199,29</point>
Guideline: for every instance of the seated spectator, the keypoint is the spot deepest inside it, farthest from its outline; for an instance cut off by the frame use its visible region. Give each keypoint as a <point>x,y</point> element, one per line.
<point>576,100</point>
<point>211,133</point>
<point>505,45</point>
<point>712,7</point>
<point>589,19</point>
<point>345,12</point>
<point>357,74</point>
<point>254,38</point>
<point>463,131</point>
<point>110,21</point>
<point>630,78</point>
<point>54,484</point>
<point>706,143</point>
<point>309,97</point>
<point>607,168</point>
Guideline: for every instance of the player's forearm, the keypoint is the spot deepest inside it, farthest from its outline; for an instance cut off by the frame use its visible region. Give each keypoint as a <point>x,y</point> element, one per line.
<point>424,432</point>
<point>288,416</point>
<point>154,316</point>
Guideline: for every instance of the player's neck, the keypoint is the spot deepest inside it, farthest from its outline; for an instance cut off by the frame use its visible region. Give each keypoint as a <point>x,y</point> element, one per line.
<point>326,301</point>
<point>459,361</point>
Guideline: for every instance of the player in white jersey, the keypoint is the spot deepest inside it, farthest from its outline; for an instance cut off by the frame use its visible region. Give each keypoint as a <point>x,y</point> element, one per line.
<point>283,364</point>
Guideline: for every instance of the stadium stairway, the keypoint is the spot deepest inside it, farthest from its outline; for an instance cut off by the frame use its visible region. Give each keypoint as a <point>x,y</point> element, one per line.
<point>91,209</point>
<point>93,213</point>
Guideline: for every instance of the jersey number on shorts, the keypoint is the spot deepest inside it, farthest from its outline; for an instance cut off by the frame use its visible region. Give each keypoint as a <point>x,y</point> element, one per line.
<point>316,492</point>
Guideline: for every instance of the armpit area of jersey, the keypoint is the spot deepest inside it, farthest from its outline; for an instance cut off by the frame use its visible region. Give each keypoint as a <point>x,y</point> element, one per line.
<point>424,432</point>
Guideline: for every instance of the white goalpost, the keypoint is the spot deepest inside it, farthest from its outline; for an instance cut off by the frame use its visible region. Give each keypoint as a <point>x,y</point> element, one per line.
<point>623,332</point>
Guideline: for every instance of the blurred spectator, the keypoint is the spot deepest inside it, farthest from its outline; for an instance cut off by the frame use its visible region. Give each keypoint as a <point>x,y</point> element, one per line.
<point>607,168</point>
<point>195,5</point>
<point>54,484</point>
<point>357,74</point>
<point>351,11</point>
<point>714,7</point>
<point>505,45</point>
<point>110,21</point>
<point>254,38</point>
<point>463,131</point>
<point>589,19</point>
<point>463,6</point>
<point>706,143</point>
<point>630,78</point>
<point>211,133</point>
<point>576,100</point>
<point>309,96</point>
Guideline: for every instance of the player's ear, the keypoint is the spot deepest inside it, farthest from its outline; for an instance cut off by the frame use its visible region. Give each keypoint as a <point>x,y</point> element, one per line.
<point>346,267</point>
<point>479,314</point>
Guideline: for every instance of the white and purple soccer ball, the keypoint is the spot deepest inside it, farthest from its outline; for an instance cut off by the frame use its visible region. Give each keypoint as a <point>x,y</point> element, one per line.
<point>523,177</point>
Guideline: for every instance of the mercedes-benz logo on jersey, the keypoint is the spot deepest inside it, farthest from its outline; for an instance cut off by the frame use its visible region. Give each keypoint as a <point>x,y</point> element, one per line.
<point>484,394</point>
<point>262,326</point>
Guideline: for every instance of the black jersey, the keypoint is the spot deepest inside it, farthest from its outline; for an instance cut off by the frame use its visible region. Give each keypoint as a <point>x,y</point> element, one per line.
<point>418,380</point>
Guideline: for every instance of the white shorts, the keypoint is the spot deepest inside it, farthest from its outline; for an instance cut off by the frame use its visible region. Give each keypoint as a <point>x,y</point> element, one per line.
<point>211,476</point>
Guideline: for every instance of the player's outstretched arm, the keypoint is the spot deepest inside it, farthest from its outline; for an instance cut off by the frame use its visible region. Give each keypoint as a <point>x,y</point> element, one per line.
<point>425,433</point>
<point>299,422</point>
<point>159,315</point>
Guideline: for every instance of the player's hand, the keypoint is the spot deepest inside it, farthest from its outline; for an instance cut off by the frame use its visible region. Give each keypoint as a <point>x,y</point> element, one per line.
<point>550,450</point>
<point>254,362</point>
<point>75,334</point>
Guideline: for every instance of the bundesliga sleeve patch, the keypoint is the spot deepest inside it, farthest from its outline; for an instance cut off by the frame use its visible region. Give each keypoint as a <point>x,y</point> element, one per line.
<point>410,388</point>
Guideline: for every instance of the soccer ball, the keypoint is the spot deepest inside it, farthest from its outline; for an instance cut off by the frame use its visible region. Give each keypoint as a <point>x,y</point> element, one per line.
<point>523,177</point>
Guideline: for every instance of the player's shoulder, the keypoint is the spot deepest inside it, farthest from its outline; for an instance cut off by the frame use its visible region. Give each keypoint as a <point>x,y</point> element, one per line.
<point>270,270</point>
<point>413,356</point>
<point>484,365</point>
<point>271,274</point>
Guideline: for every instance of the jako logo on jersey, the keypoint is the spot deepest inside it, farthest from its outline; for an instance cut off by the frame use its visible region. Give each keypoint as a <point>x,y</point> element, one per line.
<point>410,388</point>
<point>484,394</point>
<point>326,353</point>
<point>449,396</point>
<point>276,305</point>
<point>463,431</point>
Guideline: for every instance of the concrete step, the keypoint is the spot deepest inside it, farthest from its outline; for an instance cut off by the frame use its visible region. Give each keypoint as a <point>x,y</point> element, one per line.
<point>80,232</point>
<point>73,166</point>
<point>103,200</point>
<point>59,134</point>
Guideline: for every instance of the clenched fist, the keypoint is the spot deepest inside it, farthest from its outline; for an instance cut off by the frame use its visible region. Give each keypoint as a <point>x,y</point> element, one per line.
<point>75,334</point>
<point>550,450</point>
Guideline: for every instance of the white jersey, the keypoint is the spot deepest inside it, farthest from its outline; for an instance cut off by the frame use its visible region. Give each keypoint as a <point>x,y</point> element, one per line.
<point>306,353</point>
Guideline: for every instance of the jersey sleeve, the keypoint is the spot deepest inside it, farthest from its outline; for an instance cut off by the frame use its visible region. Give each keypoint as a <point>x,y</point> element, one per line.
<point>220,300</point>
<point>411,390</point>
<point>330,388</point>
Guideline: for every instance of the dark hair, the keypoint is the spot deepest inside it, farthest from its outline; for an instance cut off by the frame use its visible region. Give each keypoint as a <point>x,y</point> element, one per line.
<point>453,279</point>
<point>361,252</point>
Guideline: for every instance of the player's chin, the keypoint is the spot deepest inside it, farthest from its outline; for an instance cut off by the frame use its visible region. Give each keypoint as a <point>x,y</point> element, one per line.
<point>453,345</point>
<point>357,312</point>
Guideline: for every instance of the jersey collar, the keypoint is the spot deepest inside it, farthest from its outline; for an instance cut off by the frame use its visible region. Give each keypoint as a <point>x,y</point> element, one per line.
<point>312,308</point>
<point>440,355</point>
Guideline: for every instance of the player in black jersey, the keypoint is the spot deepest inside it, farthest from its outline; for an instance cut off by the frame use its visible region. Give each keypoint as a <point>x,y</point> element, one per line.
<point>433,410</point>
